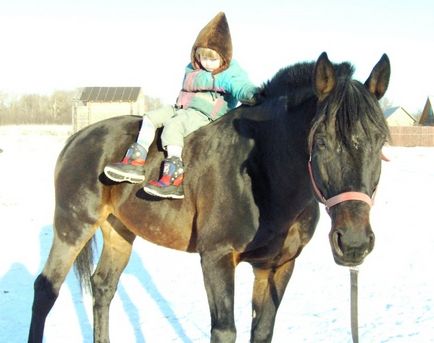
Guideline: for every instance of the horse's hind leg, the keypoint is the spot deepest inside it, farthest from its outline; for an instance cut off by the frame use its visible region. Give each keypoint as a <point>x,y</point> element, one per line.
<point>268,290</point>
<point>47,285</point>
<point>115,255</point>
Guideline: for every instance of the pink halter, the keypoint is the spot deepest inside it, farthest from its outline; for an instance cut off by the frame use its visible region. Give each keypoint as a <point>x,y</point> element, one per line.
<point>337,199</point>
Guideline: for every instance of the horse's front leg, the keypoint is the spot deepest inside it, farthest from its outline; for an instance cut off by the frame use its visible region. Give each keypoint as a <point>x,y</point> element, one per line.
<point>114,258</point>
<point>218,272</point>
<point>268,290</point>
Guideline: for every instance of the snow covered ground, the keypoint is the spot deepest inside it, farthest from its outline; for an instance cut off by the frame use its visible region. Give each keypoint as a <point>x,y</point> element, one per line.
<point>161,297</point>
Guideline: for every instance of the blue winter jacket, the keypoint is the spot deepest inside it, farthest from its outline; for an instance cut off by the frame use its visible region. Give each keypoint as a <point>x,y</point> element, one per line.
<point>214,95</point>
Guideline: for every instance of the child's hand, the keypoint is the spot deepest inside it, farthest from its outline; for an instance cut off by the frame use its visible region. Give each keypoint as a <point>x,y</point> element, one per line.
<point>256,99</point>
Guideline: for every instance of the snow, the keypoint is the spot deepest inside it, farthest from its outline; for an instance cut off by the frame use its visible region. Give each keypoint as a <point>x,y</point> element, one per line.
<point>161,297</point>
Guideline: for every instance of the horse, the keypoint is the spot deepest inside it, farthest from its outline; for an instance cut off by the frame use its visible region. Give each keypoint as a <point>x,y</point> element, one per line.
<point>253,184</point>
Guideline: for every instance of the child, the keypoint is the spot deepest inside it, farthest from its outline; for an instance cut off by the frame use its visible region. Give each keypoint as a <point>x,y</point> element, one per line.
<point>213,84</point>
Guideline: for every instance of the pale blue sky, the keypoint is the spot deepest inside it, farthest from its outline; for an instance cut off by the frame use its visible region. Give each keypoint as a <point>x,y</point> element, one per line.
<point>55,44</point>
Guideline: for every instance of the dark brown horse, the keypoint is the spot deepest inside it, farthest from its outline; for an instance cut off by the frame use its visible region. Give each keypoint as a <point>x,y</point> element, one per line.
<point>248,194</point>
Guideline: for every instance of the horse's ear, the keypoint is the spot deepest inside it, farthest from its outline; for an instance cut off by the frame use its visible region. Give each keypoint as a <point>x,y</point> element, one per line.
<point>323,77</point>
<point>378,81</point>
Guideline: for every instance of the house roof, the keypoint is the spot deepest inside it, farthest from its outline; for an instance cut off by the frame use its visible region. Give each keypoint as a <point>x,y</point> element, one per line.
<point>427,117</point>
<point>388,112</point>
<point>109,94</point>
<point>430,99</point>
<point>392,110</point>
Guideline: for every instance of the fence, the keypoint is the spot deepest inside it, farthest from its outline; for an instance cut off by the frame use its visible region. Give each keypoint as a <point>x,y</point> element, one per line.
<point>412,135</point>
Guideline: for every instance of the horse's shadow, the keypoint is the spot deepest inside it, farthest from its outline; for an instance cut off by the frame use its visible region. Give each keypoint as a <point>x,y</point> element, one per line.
<point>135,267</point>
<point>16,288</point>
<point>15,300</point>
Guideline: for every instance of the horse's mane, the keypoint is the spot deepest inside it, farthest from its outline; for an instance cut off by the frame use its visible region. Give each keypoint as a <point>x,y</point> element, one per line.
<point>349,103</point>
<point>294,82</point>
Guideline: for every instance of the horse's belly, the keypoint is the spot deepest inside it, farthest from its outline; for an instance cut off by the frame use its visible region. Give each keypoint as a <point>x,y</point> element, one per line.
<point>169,228</point>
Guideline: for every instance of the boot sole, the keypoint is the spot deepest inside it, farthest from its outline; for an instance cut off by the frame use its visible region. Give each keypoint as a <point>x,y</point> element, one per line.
<point>114,175</point>
<point>166,196</point>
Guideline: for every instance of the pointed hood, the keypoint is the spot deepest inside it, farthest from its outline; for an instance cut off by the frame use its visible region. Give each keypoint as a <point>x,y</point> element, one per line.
<point>216,36</point>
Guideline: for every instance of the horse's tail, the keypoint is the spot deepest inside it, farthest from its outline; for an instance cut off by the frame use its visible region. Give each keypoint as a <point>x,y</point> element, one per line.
<point>83,265</point>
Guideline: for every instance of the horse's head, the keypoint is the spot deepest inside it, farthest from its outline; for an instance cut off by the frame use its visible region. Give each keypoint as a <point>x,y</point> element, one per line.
<point>345,144</point>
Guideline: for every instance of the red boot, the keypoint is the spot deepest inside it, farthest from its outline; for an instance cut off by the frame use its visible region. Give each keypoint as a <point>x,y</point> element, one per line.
<point>131,168</point>
<point>170,183</point>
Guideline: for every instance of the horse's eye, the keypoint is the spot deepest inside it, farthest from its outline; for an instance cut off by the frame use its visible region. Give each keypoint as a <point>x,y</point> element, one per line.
<point>320,142</point>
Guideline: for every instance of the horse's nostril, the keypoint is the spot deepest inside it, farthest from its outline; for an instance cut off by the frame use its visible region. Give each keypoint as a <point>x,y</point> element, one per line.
<point>337,243</point>
<point>371,241</point>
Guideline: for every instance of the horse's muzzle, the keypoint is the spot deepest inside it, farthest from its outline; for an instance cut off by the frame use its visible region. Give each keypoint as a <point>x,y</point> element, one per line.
<point>351,236</point>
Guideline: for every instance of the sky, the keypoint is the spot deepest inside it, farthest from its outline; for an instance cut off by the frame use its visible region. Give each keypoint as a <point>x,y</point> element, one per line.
<point>52,45</point>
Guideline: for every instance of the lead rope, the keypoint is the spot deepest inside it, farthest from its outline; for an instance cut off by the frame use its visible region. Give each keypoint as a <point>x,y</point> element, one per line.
<point>354,304</point>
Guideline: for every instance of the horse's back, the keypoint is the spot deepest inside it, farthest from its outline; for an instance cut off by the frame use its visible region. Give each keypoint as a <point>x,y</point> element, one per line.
<point>100,140</point>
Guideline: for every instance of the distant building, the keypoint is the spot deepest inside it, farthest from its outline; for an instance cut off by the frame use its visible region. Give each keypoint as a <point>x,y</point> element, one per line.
<point>93,104</point>
<point>397,116</point>
<point>427,117</point>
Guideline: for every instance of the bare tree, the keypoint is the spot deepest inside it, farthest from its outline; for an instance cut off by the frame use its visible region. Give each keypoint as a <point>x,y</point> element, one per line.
<point>46,109</point>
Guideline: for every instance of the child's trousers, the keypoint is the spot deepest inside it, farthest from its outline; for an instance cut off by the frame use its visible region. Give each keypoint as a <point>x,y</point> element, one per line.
<point>177,123</point>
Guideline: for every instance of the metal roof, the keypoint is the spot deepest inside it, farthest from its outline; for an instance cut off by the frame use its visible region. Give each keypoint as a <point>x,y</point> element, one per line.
<point>427,117</point>
<point>389,111</point>
<point>392,110</point>
<point>109,94</point>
